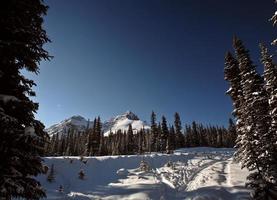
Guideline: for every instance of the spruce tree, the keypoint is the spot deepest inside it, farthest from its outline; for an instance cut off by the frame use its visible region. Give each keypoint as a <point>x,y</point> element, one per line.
<point>21,136</point>
<point>232,134</point>
<point>159,138</point>
<point>130,140</point>
<point>140,141</point>
<point>97,136</point>
<point>270,78</point>
<point>251,109</point>
<point>232,74</point>
<point>164,134</point>
<point>90,137</point>
<point>178,131</point>
<point>154,133</point>
<point>274,22</point>
<point>170,142</point>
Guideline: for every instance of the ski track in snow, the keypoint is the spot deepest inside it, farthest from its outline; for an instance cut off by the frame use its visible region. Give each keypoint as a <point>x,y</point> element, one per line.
<point>191,174</point>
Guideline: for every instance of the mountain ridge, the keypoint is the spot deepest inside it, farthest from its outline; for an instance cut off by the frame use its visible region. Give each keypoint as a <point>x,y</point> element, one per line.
<point>119,122</point>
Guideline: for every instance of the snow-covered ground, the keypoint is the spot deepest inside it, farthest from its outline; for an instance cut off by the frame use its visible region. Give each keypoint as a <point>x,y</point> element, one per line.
<point>191,173</point>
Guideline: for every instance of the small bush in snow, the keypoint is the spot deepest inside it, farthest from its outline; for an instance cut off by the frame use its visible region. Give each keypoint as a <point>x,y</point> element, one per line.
<point>51,176</point>
<point>169,164</point>
<point>60,188</point>
<point>81,158</point>
<point>81,175</point>
<point>45,169</point>
<point>144,166</point>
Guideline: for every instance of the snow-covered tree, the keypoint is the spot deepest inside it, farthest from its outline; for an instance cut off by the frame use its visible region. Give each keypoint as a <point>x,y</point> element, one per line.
<point>270,78</point>
<point>274,22</point>
<point>21,136</point>
<point>253,122</point>
<point>255,114</point>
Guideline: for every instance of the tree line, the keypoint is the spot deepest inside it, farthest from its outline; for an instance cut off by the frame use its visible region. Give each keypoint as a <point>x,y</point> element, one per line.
<point>161,137</point>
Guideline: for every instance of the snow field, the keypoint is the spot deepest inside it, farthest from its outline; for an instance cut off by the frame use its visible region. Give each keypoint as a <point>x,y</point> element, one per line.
<point>191,173</point>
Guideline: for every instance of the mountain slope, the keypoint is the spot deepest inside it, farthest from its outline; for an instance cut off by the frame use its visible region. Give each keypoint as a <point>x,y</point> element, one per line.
<point>120,122</point>
<point>77,122</point>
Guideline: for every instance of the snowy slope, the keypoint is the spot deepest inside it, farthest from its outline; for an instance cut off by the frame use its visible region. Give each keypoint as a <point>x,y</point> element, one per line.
<point>115,123</point>
<point>192,174</point>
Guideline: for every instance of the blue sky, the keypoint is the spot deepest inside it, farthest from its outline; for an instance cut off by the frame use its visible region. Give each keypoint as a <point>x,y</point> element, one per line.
<point>111,56</point>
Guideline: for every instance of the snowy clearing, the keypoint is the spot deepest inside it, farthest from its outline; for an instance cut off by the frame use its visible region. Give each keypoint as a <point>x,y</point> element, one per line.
<point>191,173</point>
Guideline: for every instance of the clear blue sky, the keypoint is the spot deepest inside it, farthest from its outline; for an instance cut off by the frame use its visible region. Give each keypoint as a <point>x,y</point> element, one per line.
<point>142,55</point>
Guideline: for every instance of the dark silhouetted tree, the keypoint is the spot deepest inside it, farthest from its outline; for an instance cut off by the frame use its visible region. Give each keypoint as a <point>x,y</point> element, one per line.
<point>21,136</point>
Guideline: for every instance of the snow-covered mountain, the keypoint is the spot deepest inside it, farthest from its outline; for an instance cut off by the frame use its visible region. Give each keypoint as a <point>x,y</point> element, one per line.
<point>77,122</point>
<point>120,122</point>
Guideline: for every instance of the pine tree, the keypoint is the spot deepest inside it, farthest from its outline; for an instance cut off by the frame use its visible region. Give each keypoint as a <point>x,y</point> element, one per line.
<point>270,78</point>
<point>274,22</point>
<point>22,138</point>
<point>178,131</point>
<point>232,74</point>
<point>170,141</point>
<point>102,149</point>
<point>232,134</point>
<point>90,135</point>
<point>130,140</point>
<point>154,133</point>
<point>159,138</point>
<point>140,141</point>
<point>194,135</point>
<point>164,134</point>
<point>97,136</point>
<point>251,108</point>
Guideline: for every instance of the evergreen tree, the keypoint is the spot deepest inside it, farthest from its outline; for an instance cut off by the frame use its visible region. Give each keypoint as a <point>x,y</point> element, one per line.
<point>274,22</point>
<point>164,134</point>
<point>251,111</point>
<point>232,134</point>
<point>194,135</point>
<point>102,148</point>
<point>154,133</point>
<point>130,140</point>
<point>140,135</point>
<point>90,140</point>
<point>22,138</point>
<point>232,74</point>
<point>97,136</point>
<point>178,131</point>
<point>270,78</point>
<point>159,138</point>
<point>170,142</point>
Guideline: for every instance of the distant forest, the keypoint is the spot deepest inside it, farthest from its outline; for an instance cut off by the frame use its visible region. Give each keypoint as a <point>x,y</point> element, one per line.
<point>159,138</point>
